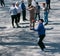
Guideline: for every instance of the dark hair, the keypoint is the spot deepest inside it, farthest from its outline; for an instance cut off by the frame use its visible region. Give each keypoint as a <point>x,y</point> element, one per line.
<point>36,2</point>
<point>41,20</point>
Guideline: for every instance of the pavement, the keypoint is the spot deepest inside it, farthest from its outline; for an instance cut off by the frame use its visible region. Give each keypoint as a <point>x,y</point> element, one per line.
<point>23,41</point>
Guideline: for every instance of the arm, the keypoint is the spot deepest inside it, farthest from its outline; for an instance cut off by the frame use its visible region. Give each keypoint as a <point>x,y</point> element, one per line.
<point>38,28</point>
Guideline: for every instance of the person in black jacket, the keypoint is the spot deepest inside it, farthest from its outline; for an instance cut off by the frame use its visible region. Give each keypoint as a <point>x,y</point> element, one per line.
<point>48,4</point>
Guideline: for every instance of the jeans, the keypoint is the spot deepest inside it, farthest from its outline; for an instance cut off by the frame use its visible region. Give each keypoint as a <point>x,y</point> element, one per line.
<point>46,17</point>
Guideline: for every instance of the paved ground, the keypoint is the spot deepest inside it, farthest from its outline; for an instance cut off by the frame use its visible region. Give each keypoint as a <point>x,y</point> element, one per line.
<point>23,41</point>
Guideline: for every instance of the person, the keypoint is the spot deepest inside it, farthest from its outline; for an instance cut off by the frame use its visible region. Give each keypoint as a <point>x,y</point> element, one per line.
<point>48,4</point>
<point>46,11</point>
<point>13,12</point>
<point>23,7</point>
<point>19,10</point>
<point>41,33</point>
<point>32,13</point>
<point>37,13</point>
<point>2,2</point>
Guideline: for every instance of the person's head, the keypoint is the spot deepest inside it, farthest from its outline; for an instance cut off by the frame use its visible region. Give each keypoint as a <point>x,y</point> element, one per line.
<point>41,20</point>
<point>29,5</point>
<point>37,3</point>
<point>43,4</point>
<point>13,4</point>
<point>22,1</point>
<point>17,4</point>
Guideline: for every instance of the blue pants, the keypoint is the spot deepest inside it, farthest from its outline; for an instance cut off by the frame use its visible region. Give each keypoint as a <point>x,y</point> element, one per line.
<point>46,17</point>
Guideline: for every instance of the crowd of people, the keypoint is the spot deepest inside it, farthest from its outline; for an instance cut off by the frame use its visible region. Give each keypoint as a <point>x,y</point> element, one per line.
<point>34,9</point>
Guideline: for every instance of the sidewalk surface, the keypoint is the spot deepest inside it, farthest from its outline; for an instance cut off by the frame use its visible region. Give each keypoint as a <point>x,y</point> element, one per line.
<point>23,41</point>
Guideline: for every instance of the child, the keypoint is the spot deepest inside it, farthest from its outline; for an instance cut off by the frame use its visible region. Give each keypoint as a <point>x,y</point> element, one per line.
<point>41,33</point>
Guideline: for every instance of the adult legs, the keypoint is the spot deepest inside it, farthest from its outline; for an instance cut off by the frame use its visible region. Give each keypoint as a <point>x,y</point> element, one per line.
<point>37,14</point>
<point>16,21</point>
<point>2,3</point>
<point>12,18</point>
<point>48,5</point>
<point>24,14</point>
<point>46,18</point>
<point>18,17</point>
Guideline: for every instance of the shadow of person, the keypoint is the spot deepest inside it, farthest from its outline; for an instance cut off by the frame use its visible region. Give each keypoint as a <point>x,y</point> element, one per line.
<point>3,28</point>
<point>54,47</point>
<point>49,28</point>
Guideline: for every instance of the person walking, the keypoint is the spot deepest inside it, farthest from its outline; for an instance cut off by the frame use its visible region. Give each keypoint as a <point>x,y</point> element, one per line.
<point>13,12</point>
<point>23,7</point>
<point>19,10</point>
<point>2,3</point>
<point>41,33</point>
<point>48,4</point>
<point>37,11</point>
<point>46,11</point>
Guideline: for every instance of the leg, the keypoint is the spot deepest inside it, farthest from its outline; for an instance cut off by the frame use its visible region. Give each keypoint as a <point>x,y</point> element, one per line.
<point>24,15</point>
<point>18,17</point>
<point>3,2</point>
<point>39,15</point>
<point>33,24</point>
<point>16,21</point>
<point>49,6</point>
<point>40,43</point>
<point>12,17</point>
<point>35,16</point>
<point>46,18</point>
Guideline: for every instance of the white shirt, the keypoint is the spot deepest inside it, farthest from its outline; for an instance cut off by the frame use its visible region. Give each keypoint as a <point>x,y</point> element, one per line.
<point>18,9</point>
<point>33,3</point>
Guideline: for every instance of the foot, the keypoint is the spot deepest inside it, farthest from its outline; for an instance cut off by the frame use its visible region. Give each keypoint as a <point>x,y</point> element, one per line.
<point>46,23</point>
<point>25,20</point>
<point>13,26</point>
<point>18,26</point>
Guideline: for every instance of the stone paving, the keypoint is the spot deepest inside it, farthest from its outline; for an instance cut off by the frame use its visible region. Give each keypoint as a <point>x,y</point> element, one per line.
<point>23,41</point>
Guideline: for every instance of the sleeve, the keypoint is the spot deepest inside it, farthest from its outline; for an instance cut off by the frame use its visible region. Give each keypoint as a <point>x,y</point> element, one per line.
<point>38,28</point>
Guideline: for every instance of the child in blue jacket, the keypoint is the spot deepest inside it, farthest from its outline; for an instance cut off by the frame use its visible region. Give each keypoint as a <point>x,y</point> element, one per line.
<point>41,33</point>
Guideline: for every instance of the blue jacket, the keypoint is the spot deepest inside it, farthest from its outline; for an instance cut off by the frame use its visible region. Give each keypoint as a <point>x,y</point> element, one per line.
<point>40,29</point>
<point>23,6</point>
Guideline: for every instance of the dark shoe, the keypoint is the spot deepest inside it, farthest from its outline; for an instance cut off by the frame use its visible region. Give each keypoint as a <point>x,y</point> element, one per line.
<point>25,20</point>
<point>13,26</point>
<point>18,26</point>
<point>46,23</point>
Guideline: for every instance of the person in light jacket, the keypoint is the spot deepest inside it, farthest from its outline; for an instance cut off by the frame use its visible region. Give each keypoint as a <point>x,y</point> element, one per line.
<point>13,12</point>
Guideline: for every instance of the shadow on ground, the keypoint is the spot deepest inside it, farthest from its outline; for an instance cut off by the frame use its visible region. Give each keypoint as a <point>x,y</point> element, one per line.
<point>55,47</point>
